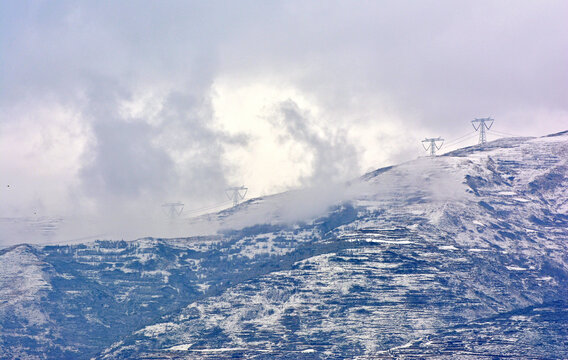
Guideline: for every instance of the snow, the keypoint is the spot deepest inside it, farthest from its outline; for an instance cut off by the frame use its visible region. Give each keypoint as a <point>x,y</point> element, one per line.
<point>410,240</point>
<point>162,273</point>
<point>404,346</point>
<point>516,268</point>
<point>550,139</point>
<point>182,347</point>
<point>21,276</point>
<point>401,242</point>
<point>219,350</point>
<point>203,287</point>
<point>447,247</point>
<point>477,250</point>
<point>157,329</point>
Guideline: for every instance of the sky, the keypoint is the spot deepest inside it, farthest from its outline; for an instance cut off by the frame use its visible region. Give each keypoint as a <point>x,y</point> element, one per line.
<point>116,107</point>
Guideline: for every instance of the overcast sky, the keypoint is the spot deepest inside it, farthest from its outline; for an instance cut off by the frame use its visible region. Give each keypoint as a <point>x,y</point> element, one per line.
<point>129,104</point>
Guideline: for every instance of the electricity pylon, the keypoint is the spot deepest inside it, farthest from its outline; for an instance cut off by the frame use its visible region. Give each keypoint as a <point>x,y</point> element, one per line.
<point>482,125</point>
<point>173,210</point>
<point>433,146</point>
<point>236,194</point>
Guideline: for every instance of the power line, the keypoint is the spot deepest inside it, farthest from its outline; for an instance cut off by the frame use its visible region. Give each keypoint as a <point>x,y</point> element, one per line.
<point>451,142</point>
<point>504,133</point>
<point>464,140</point>
<point>210,207</point>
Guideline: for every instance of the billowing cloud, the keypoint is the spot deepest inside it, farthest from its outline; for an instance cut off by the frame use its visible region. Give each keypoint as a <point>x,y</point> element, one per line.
<point>132,102</point>
<point>330,155</point>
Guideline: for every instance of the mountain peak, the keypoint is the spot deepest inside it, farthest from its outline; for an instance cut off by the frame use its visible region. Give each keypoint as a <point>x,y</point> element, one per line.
<point>432,258</point>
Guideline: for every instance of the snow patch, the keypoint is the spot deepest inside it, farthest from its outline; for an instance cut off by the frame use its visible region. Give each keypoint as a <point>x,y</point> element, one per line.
<point>157,329</point>
<point>182,347</point>
<point>218,350</point>
<point>516,268</point>
<point>21,275</point>
<point>477,250</point>
<point>401,242</point>
<point>155,273</point>
<point>203,287</point>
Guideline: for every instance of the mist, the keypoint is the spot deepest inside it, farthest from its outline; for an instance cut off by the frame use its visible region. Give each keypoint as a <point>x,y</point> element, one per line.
<point>109,110</point>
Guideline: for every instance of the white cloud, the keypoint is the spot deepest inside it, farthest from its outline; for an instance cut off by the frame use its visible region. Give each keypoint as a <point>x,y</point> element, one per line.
<point>187,97</point>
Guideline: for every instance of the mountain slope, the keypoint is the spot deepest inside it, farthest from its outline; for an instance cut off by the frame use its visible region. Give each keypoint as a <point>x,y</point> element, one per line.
<point>459,256</point>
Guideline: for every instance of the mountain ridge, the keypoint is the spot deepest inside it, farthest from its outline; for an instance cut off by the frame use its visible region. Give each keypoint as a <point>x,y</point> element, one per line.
<point>422,250</point>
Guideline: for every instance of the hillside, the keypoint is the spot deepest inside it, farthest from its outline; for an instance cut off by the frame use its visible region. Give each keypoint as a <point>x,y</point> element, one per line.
<point>460,256</point>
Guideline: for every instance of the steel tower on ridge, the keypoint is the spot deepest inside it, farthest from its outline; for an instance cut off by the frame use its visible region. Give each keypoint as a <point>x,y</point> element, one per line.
<point>236,194</point>
<point>481,125</point>
<point>433,146</point>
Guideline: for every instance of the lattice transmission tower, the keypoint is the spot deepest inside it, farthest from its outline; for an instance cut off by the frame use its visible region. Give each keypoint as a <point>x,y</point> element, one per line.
<point>432,145</point>
<point>236,194</point>
<point>481,125</point>
<point>173,209</point>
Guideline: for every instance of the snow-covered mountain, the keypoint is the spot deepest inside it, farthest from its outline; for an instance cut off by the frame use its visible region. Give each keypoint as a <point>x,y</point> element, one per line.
<point>459,256</point>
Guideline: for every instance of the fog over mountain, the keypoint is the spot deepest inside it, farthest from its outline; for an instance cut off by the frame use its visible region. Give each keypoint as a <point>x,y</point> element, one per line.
<point>459,256</point>
<point>126,125</point>
<point>108,110</point>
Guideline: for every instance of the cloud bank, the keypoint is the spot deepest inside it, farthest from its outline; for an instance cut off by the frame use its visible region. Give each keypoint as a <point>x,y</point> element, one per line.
<point>117,107</point>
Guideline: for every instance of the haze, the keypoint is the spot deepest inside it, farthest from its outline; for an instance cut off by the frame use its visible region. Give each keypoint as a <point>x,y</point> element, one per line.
<point>109,109</point>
